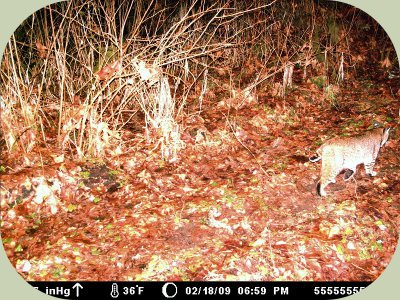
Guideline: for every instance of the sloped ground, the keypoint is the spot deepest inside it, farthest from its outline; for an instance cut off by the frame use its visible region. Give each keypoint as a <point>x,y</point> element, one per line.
<point>239,204</point>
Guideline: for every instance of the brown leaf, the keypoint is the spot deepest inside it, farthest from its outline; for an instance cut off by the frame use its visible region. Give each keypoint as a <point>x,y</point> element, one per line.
<point>42,50</point>
<point>109,70</point>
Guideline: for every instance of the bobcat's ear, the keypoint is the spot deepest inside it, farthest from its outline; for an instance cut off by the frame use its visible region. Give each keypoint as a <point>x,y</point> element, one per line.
<point>385,136</point>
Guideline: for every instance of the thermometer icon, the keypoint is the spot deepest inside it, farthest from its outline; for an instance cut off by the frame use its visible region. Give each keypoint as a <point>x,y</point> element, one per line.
<point>114,290</point>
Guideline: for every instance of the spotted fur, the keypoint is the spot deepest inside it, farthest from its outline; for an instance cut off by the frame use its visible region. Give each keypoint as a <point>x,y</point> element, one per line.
<point>346,153</point>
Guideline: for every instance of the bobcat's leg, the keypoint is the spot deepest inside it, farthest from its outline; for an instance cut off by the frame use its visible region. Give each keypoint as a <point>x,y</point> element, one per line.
<point>348,174</point>
<point>321,189</point>
<point>328,174</point>
<point>369,168</point>
<point>325,180</point>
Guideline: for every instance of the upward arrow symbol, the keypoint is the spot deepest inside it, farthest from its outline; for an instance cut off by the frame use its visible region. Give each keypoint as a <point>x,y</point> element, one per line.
<point>77,286</point>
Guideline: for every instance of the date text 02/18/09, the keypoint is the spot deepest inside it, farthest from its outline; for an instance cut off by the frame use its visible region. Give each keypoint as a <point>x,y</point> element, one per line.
<point>241,290</point>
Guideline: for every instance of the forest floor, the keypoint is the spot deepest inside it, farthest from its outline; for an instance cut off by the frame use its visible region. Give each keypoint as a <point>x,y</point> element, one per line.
<point>239,203</point>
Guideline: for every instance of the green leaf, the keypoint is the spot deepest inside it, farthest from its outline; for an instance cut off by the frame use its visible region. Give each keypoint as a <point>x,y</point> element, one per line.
<point>113,173</point>
<point>85,174</point>
<point>348,231</point>
<point>71,207</point>
<point>339,249</point>
<point>95,251</point>
<point>6,240</point>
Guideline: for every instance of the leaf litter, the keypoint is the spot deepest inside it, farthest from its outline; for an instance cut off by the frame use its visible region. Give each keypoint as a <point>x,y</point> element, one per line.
<point>240,204</point>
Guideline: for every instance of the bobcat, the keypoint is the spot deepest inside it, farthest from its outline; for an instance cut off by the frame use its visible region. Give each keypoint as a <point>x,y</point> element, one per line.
<point>346,153</point>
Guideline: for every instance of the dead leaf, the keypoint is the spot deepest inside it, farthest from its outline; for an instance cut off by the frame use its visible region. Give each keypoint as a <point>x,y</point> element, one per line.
<point>109,70</point>
<point>42,50</point>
